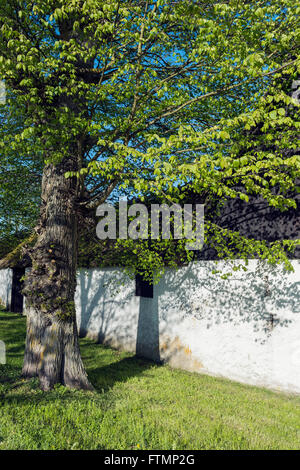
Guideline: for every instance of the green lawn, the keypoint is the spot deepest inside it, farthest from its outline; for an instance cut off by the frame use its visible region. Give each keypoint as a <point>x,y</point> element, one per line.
<point>138,405</point>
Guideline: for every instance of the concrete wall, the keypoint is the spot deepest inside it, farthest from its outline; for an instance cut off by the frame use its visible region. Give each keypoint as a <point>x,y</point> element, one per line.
<point>245,328</point>
<point>5,287</point>
<point>107,309</point>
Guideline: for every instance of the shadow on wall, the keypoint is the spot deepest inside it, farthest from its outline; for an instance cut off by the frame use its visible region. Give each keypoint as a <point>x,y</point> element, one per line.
<point>107,309</point>
<point>261,299</point>
<point>264,297</point>
<point>147,340</point>
<point>109,312</point>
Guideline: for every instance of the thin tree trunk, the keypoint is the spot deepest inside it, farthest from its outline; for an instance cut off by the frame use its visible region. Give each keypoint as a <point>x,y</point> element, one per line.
<point>52,349</point>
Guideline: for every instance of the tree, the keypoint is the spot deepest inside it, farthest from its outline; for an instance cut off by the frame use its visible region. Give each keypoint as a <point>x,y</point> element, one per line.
<point>142,97</point>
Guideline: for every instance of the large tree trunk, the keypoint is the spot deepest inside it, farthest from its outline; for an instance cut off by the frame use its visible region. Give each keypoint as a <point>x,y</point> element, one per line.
<point>52,349</point>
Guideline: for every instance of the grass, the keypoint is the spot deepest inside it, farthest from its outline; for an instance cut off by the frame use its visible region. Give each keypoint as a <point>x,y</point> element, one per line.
<point>138,405</point>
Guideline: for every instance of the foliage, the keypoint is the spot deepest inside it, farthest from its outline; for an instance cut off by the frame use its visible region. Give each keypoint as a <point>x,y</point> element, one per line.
<point>20,179</point>
<point>153,95</point>
<point>9,242</point>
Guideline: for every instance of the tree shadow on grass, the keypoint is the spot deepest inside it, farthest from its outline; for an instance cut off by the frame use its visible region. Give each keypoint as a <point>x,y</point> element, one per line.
<point>102,378</point>
<point>105,377</point>
<point>104,367</point>
<point>6,316</point>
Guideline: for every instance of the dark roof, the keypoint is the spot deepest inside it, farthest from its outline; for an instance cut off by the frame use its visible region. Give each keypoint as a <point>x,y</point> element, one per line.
<point>254,220</point>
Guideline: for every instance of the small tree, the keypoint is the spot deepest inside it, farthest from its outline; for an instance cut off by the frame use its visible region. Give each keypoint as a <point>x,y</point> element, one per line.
<point>137,96</point>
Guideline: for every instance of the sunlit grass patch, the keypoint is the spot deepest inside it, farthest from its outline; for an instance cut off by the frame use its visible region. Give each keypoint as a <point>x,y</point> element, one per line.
<point>137,405</point>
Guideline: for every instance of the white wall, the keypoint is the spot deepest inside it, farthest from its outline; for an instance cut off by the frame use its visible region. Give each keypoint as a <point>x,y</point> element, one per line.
<point>107,309</point>
<point>224,327</point>
<point>5,287</point>
<point>246,328</point>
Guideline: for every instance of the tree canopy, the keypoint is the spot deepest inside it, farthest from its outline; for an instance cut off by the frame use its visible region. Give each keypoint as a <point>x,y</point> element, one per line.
<point>144,98</point>
<point>151,96</point>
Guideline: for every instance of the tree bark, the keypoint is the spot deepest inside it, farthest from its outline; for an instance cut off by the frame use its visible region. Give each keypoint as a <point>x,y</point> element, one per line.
<point>52,348</point>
